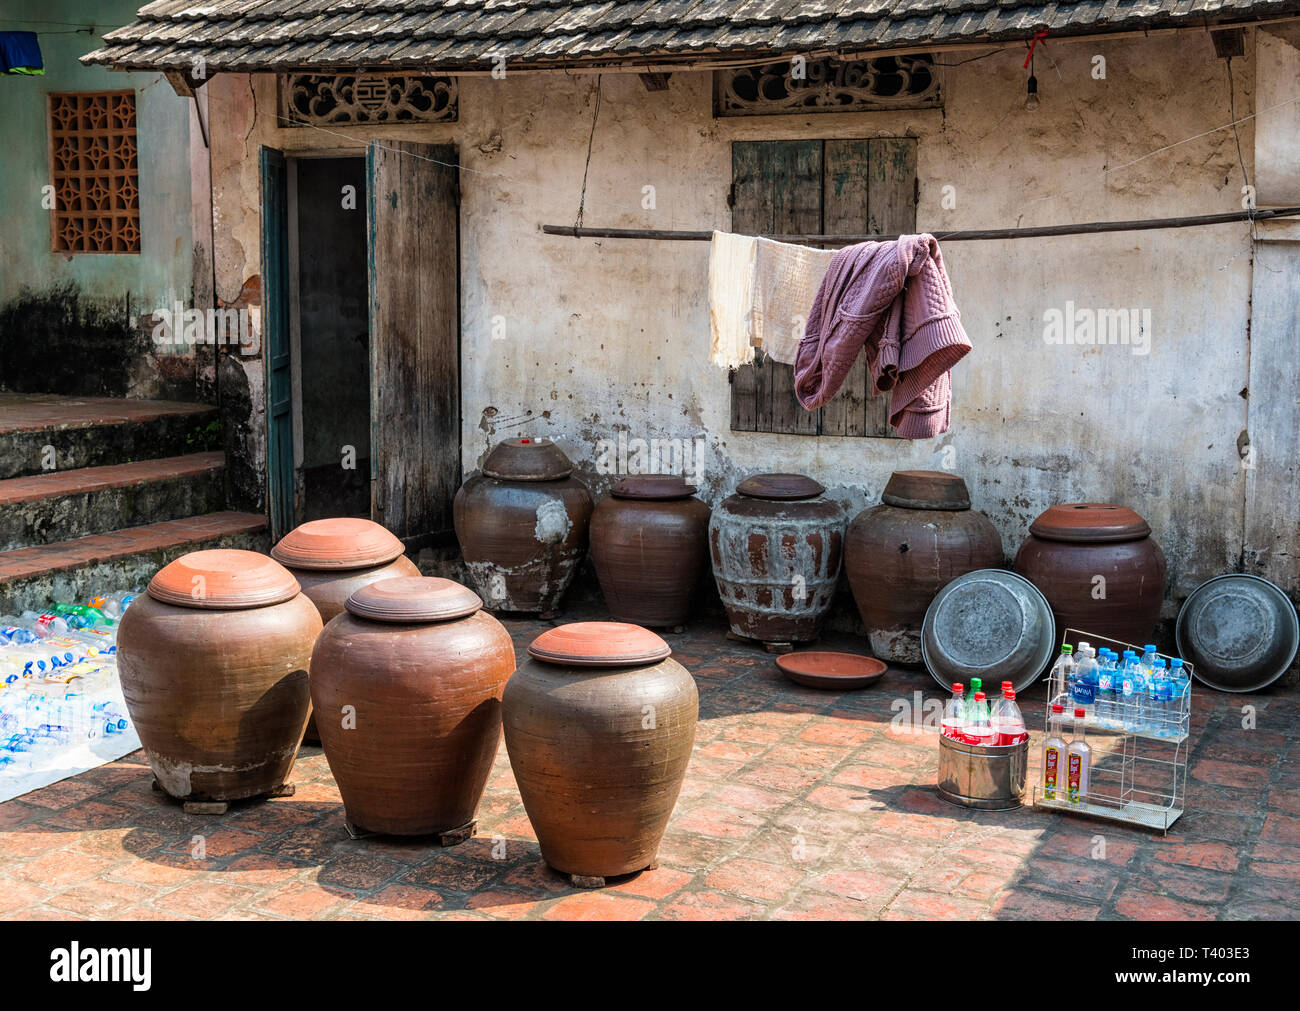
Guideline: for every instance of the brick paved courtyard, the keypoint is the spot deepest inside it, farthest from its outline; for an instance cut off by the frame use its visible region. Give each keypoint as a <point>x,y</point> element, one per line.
<point>798,804</point>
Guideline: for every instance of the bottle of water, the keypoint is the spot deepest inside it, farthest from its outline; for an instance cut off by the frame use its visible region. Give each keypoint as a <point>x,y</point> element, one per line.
<point>1083,689</point>
<point>1104,704</point>
<point>1160,721</point>
<point>1131,693</point>
<point>1179,686</point>
<point>1061,674</point>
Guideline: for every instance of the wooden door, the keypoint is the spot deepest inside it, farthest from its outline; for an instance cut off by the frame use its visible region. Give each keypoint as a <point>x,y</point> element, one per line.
<point>412,222</point>
<point>275,328</point>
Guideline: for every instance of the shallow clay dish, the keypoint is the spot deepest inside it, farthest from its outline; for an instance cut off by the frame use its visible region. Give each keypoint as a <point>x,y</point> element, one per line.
<point>836,671</point>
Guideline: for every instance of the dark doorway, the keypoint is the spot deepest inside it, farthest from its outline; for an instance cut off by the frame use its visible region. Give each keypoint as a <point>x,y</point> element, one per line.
<point>329,322</point>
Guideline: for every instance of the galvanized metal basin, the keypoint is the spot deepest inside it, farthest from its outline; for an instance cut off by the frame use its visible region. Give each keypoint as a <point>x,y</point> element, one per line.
<point>989,624</point>
<point>1239,632</point>
<point>987,777</point>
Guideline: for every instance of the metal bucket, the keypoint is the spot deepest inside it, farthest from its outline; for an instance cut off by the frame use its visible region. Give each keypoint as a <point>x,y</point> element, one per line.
<point>991,778</point>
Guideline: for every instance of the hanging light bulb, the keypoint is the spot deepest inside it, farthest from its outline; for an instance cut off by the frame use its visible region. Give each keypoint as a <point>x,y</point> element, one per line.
<point>1031,96</point>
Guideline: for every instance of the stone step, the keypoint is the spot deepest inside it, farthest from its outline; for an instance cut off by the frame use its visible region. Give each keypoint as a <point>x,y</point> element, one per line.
<point>72,570</point>
<point>42,433</point>
<point>44,508</point>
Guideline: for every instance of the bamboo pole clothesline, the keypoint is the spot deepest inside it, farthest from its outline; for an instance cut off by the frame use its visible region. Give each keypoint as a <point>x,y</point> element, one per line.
<point>1039,231</point>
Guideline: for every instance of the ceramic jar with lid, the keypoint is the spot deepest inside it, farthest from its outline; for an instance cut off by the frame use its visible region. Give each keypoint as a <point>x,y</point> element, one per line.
<point>899,554</point>
<point>650,546</point>
<point>522,526</point>
<point>1099,567</point>
<point>599,724</point>
<point>415,669</point>
<point>776,548</point>
<point>213,660</point>
<point>332,558</point>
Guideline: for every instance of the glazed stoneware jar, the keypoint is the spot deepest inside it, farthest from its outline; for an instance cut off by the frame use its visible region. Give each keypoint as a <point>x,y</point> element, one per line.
<point>522,526</point>
<point>213,661</point>
<point>1099,567</point>
<point>650,546</point>
<point>407,685</point>
<point>333,558</point>
<point>776,548</point>
<point>599,724</point>
<point>899,554</point>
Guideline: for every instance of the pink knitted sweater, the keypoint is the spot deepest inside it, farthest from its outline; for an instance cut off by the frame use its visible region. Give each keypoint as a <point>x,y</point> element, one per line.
<point>892,299</point>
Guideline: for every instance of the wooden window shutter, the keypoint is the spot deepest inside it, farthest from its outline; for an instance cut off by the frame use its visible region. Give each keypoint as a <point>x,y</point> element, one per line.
<point>827,187</point>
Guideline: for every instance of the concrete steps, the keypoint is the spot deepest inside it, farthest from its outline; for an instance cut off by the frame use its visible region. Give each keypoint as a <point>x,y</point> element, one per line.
<point>97,494</point>
<point>41,433</point>
<point>45,508</point>
<point>71,570</point>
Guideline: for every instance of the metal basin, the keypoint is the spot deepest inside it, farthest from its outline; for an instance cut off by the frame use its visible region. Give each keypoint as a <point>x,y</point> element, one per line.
<point>1239,632</point>
<point>989,624</point>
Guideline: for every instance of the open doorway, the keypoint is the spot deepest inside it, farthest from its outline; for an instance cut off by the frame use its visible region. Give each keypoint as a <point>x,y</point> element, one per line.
<point>329,331</point>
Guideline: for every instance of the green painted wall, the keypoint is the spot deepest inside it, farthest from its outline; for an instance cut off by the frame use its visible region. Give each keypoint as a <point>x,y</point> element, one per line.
<point>165,261</point>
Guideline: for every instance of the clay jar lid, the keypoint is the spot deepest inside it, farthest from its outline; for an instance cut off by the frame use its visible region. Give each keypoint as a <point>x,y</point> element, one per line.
<point>779,487</point>
<point>223,579</point>
<point>342,543</point>
<point>528,460</point>
<point>412,599</point>
<point>653,486</point>
<point>599,644</point>
<point>1090,523</point>
<point>926,489</point>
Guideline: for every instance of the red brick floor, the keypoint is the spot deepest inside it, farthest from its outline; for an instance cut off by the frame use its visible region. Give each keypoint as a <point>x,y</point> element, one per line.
<point>798,805</point>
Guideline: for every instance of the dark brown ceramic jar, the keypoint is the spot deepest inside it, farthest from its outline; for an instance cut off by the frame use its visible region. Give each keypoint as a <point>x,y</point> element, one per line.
<point>776,547</point>
<point>899,554</point>
<point>522,526</point>
<point>599,725</point>
<point>407,682</point>
<point>1099,567</point>
<point>333,558</point>
<point>213,660</point>
<point>650,546</point>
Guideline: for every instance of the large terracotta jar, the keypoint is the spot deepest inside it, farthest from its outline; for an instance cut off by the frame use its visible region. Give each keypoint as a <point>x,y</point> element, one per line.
<point>599,725</point>
<point>899,554</point>
<point>650,546</point>
<point>213,661</point>
<point>776,547</point>
<point>407,682</point>
<point>333,558</point>
<point>1099,567</point>
<point>522,526</point>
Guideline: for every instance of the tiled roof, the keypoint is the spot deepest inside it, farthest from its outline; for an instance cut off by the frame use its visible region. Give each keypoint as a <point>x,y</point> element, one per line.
<point>450,35</point>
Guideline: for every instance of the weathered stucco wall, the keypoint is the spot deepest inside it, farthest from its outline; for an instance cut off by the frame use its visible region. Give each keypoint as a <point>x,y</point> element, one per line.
<point>83,307</point>
<point>609,336</point>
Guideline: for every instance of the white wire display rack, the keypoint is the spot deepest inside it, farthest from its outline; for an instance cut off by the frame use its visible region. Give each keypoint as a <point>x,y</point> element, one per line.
<point>1138,771</point>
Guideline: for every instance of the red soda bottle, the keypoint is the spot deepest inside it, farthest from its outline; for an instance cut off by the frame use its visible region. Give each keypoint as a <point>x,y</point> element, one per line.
<point>1008,722</point>
<point>978,728</point>
<point>954,713</point>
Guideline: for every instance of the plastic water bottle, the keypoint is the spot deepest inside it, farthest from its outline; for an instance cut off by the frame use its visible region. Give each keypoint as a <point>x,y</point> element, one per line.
<point>1007,720</point>
<point>1130,693</point>
<point>1104,705</point>
<point>979,729</point>
<point>1179,686</point>
<point>954,713</point>
<point>1061,674</point>
<point>1083,689</point>
<point>1149,657</point>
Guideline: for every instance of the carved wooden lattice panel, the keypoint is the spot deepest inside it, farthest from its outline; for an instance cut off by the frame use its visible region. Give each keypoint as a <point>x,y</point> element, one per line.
<point>309,99</point>
<point>94,166</point>
<point>800,85</point>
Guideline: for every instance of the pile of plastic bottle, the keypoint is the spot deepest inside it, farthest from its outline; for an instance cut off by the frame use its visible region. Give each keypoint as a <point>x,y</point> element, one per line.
<point>1140,694</point>
<point>968,717</point>
<point>59,687</point>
